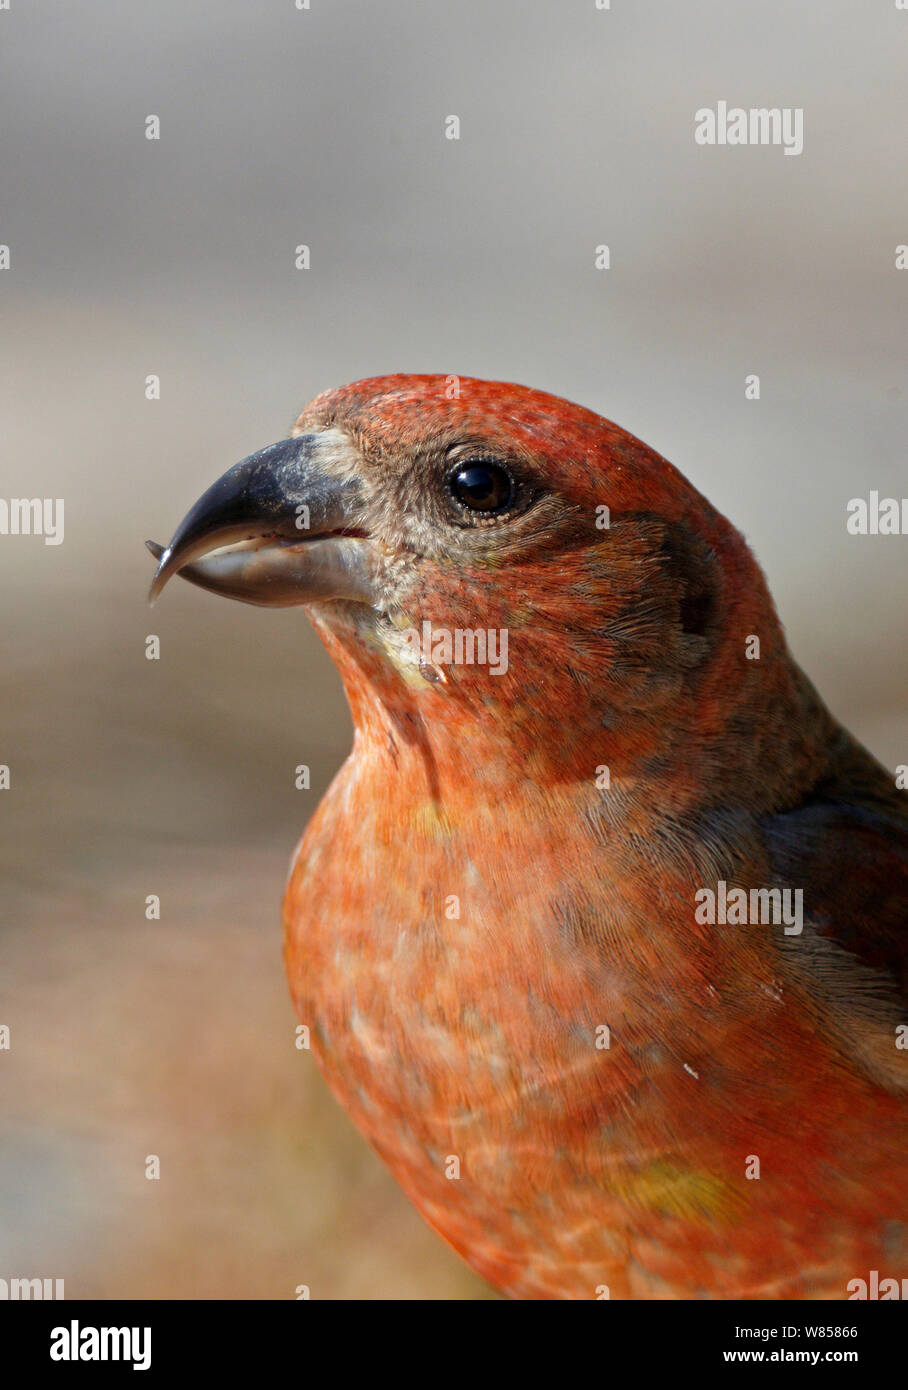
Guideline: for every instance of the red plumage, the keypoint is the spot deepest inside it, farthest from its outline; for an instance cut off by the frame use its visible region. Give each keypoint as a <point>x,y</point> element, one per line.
<point>477,907</point>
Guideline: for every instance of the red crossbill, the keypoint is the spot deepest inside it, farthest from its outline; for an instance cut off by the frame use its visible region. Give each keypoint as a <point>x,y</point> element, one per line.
<point>599,930</point>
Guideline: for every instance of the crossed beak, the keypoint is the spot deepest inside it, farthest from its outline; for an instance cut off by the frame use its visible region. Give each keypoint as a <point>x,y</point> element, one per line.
<point>282,527</point>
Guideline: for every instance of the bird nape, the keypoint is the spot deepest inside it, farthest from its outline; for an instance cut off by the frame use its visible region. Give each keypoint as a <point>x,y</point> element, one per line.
<point>599,930</point>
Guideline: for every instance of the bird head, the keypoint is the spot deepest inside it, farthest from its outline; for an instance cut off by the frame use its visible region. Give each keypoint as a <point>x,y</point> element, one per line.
<point>499,566</point>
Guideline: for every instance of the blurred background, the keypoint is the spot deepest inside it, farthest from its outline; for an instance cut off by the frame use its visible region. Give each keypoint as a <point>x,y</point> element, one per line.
<point>131,257</point>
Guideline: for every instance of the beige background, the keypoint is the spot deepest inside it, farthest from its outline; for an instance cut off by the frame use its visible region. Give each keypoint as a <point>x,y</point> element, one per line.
<point>131,257</point>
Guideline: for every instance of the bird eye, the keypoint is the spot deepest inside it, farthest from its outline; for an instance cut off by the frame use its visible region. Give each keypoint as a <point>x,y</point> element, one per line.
<point>482,486</point>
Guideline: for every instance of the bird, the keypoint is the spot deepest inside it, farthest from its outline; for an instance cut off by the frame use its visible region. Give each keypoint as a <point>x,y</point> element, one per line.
<point>599,930</point>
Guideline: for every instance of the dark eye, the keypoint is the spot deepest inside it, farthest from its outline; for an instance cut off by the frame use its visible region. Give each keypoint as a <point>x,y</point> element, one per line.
<point>482,486</point>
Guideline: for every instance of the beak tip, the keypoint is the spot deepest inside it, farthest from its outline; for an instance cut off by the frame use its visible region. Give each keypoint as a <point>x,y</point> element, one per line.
<point>162,573</point>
